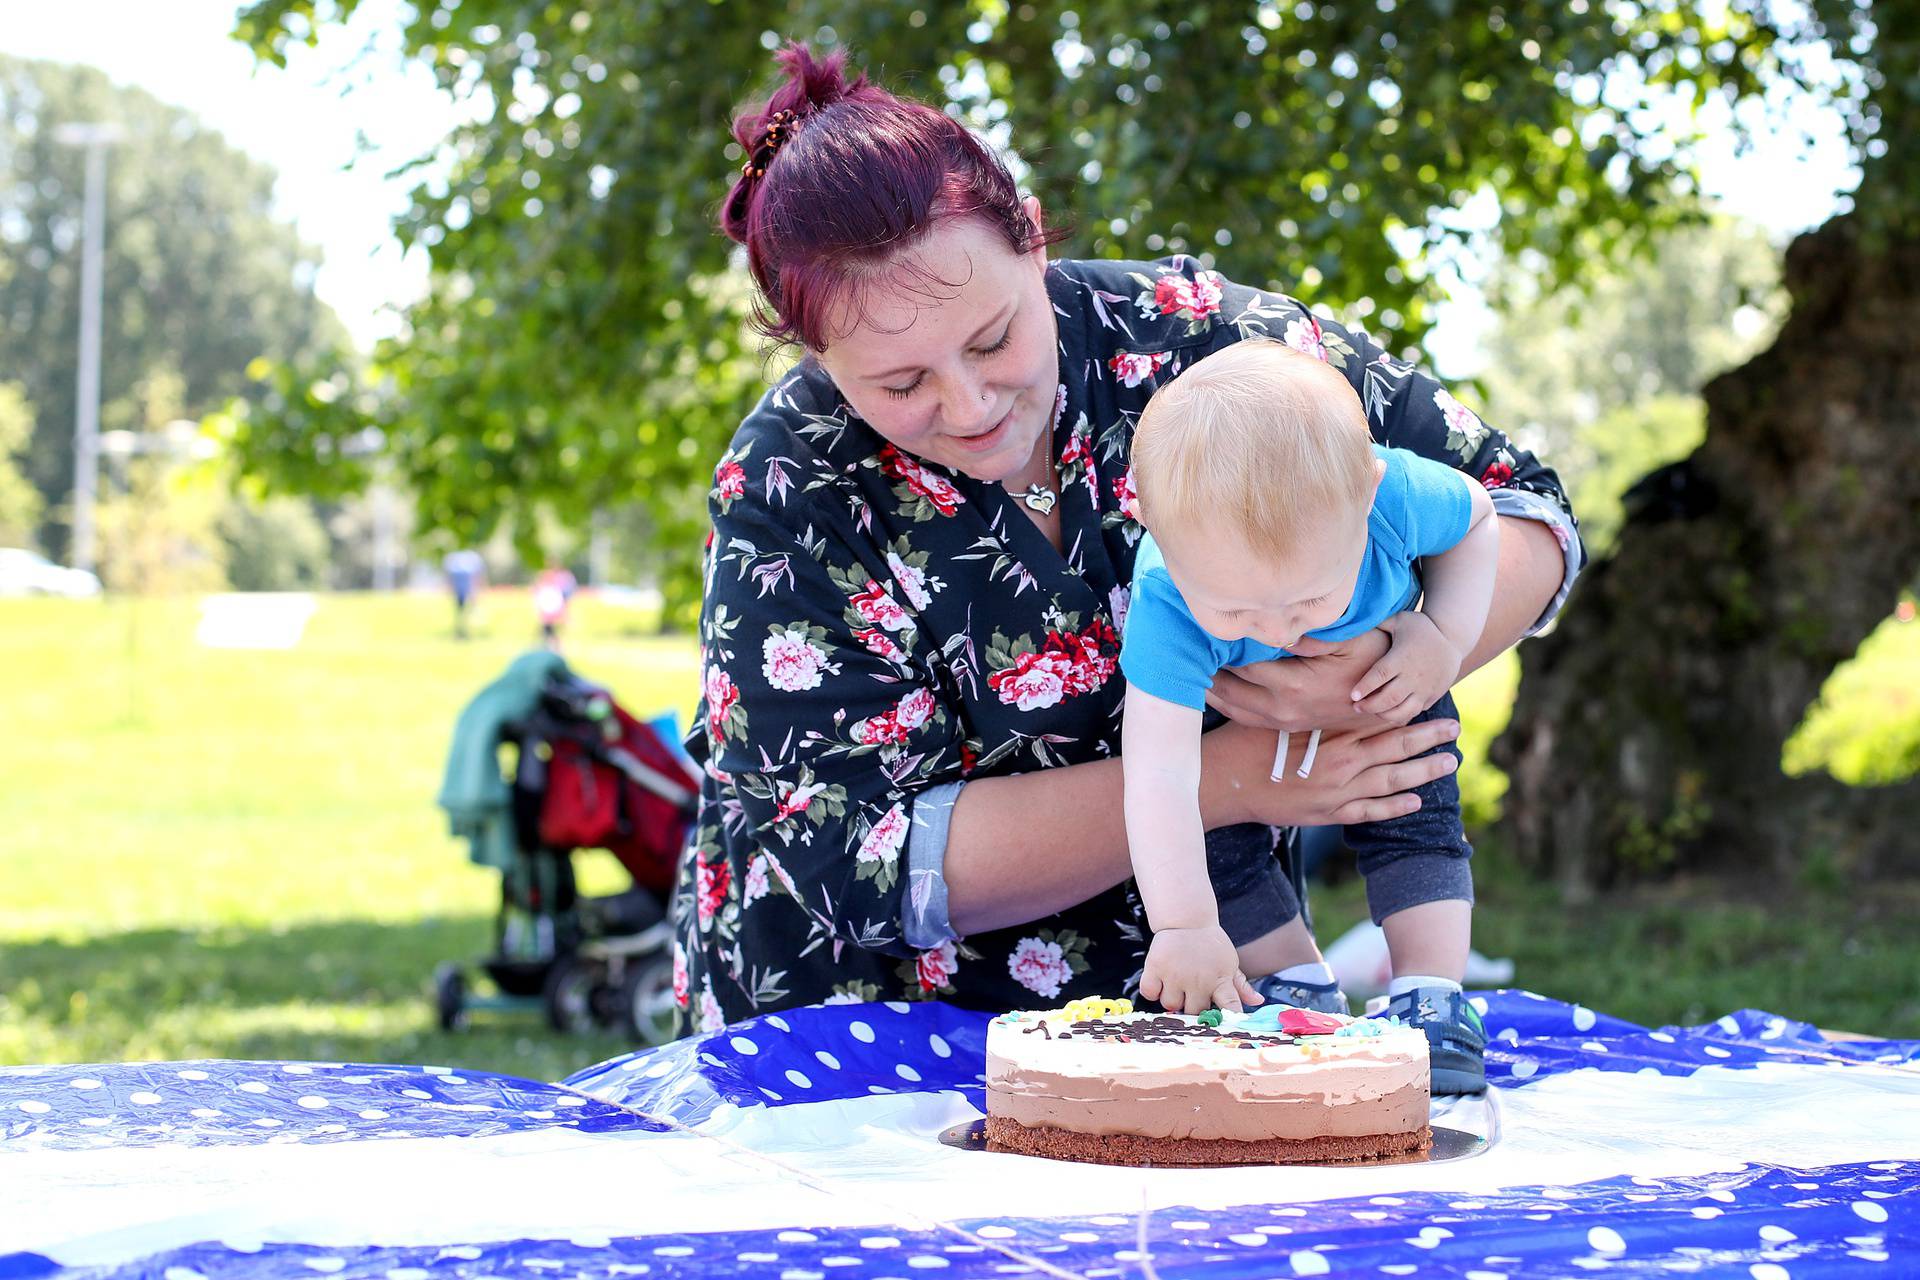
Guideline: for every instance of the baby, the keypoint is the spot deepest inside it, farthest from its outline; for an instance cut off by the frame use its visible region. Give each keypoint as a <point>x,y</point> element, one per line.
<point>1272,516</point>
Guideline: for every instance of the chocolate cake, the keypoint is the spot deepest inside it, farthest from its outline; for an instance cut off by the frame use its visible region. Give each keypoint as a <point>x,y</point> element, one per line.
<point>1098,1082</point>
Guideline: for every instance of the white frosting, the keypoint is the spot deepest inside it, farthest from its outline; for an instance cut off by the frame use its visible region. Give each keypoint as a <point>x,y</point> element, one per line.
<point>1341,1068</point>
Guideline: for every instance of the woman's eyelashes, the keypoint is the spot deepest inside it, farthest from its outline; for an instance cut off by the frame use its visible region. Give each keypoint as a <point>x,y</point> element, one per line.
<point>901,393</point>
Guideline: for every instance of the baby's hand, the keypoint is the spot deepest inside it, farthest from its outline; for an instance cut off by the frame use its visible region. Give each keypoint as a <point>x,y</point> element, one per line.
<point>1420,667</point>
<point>1193,970</point>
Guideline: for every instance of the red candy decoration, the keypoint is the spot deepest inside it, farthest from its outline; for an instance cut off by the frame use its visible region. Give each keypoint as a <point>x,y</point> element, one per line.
<point>1305,1022</point>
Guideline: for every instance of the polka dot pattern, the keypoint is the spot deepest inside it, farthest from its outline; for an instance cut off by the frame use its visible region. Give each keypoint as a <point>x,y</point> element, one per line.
<point>1532,1039</point>
<point>839,1051</point>
<point>228,1103</point>
<point>1758,1220</point>
<point>1521,1232</point>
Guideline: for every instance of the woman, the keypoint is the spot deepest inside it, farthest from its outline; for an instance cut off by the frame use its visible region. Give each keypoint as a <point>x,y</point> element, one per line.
<point>922,540</point>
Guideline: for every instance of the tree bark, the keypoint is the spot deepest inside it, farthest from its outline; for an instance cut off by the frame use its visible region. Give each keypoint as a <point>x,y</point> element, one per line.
<point>1648,730</point>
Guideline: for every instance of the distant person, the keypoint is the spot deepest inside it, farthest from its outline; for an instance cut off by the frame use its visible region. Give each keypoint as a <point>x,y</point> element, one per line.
<point>553,589</point>
<point>464,569</point>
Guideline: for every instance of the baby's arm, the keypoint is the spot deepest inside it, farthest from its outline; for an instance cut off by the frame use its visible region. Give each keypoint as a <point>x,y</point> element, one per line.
<point>1191,965</point>
<point>1430,644</point>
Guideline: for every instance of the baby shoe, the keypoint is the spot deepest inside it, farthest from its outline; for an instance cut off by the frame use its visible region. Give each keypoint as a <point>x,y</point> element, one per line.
<point>1456,1038</point>
<point>1321,997</point>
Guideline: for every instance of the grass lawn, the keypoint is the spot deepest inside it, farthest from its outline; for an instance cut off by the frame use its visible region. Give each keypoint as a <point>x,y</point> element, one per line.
<point>210,853</point>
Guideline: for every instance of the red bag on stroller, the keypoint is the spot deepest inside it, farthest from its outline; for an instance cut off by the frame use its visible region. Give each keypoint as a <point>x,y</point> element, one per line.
<point>631,795</point>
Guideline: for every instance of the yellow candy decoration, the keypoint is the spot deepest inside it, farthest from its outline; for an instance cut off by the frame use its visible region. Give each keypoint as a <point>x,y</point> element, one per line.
<point>1088,1008</point>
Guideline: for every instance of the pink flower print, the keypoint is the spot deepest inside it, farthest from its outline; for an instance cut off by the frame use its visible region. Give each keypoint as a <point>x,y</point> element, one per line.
<point>1207,293</point>
<point>1194,299</point>
<point>721,695</point>
<point>1304,336</point>
<point>711,1019</point>
<point>1497,476</point>
<point>877,606</point>
<point>881,644</point>
<point>1127,496</point>
<point>915,709</point>
<point>711,881</point>
<point>884,842</point>
<point>935,489</point>
<point>1134,368</point>
<point>1035,680</point>
<point>1096,656</point>
<point>1039,966</point>
<point>791,662</point>
<point>935,968</point>
<point>914,583</point>
<point>877,731</point>
<point>1461,421</point>
<point>729,481</point>
<point>757,885</point>
<point>796,801</point>
<point>680,975</point>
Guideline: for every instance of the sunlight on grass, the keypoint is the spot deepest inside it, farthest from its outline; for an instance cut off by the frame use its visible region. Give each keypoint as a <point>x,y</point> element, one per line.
<point>1865,727</point>
<point>237,854</point>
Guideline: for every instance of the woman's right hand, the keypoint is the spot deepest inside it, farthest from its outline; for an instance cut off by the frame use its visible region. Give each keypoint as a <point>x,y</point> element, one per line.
<point>1366,775</point>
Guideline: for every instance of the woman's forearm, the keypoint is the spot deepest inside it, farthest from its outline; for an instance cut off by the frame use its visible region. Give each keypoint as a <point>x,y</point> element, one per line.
<point>1530,572</point>
<point>1031,845</point>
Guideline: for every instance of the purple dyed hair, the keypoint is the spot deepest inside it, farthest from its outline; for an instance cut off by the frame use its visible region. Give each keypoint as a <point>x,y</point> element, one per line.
<point>861,176</point>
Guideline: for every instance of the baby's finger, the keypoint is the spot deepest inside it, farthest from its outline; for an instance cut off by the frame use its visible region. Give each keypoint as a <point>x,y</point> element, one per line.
<point>1248,996</point>
<point>1225,997</point>
<point>1391,694</point>
<point>1378,674</point>
<point>1151,986</point>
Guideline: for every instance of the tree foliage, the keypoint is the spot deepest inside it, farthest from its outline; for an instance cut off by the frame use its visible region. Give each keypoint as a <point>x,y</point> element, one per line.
<point>1605,380</point>
<point>583,346</point>
<point>199,277</point>
<point>19,503</point>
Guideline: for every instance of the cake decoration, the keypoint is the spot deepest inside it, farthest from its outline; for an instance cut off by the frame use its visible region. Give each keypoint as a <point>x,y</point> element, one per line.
<point>1098,1081</point>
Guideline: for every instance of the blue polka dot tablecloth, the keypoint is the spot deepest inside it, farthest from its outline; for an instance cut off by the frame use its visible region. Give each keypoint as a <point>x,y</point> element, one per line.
<point>807,1145</point>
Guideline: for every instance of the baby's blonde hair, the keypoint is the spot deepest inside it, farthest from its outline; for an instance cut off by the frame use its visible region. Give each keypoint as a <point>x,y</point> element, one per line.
<point>1256,440</point>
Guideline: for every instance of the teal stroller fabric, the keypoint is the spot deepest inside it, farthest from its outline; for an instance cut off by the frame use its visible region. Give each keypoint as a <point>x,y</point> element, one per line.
<point>477,798</point>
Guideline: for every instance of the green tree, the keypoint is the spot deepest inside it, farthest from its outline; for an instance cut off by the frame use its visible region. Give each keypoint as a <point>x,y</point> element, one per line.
<point>199,278</point>
<point>1605,379</point>
<point>19,502</point>
<point>583,339</point>
<point>273,544</point>
<point>159,509</point>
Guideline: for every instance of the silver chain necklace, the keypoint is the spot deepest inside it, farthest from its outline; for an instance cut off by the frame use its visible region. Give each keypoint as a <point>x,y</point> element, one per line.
<point>1040,498</point>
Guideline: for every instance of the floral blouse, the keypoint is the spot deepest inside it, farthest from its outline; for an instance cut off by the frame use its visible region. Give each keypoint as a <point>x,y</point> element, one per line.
<point>875,625</point>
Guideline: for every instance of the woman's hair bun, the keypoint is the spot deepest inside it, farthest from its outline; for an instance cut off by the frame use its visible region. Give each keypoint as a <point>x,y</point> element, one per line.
<point>813,83</point>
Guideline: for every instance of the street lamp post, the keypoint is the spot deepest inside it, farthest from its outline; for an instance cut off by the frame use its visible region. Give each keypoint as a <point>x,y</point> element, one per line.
<point>86,429</point>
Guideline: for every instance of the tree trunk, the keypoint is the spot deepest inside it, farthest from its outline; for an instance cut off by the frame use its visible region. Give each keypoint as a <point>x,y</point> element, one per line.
<point>1649,726</point>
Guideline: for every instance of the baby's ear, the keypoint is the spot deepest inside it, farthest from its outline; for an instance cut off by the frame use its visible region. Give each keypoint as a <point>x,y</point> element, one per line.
<point>1379,471</point>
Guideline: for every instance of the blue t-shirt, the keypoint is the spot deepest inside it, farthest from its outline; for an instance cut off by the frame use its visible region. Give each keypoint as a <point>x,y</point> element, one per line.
<point>1421,508</point>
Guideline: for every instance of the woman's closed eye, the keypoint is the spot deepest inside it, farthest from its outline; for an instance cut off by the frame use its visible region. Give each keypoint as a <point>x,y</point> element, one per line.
<point>994,350</point>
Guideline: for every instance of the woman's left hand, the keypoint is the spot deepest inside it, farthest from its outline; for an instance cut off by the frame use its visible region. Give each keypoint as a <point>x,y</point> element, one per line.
<point>1311,691</point>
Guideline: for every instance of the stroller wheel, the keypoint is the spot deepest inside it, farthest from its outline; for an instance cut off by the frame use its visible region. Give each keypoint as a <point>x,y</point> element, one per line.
<point>646,999</point>
<point>450,997</point>
<point>569,996</point>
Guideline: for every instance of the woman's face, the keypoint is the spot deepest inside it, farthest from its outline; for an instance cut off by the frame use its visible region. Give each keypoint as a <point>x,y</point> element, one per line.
<point>952,354</point>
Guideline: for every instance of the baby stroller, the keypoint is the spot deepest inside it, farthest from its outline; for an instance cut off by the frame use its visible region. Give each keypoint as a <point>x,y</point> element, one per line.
<point>581,774</point>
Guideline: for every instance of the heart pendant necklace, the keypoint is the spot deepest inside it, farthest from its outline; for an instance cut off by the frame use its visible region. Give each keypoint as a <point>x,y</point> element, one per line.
<point>1039,498</point>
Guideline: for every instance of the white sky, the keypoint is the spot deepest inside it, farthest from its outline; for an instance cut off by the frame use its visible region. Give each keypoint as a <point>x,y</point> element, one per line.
<point>299,122</point>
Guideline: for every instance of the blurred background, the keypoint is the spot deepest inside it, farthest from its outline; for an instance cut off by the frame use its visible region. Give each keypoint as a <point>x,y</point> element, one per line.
<point>312,311</point>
